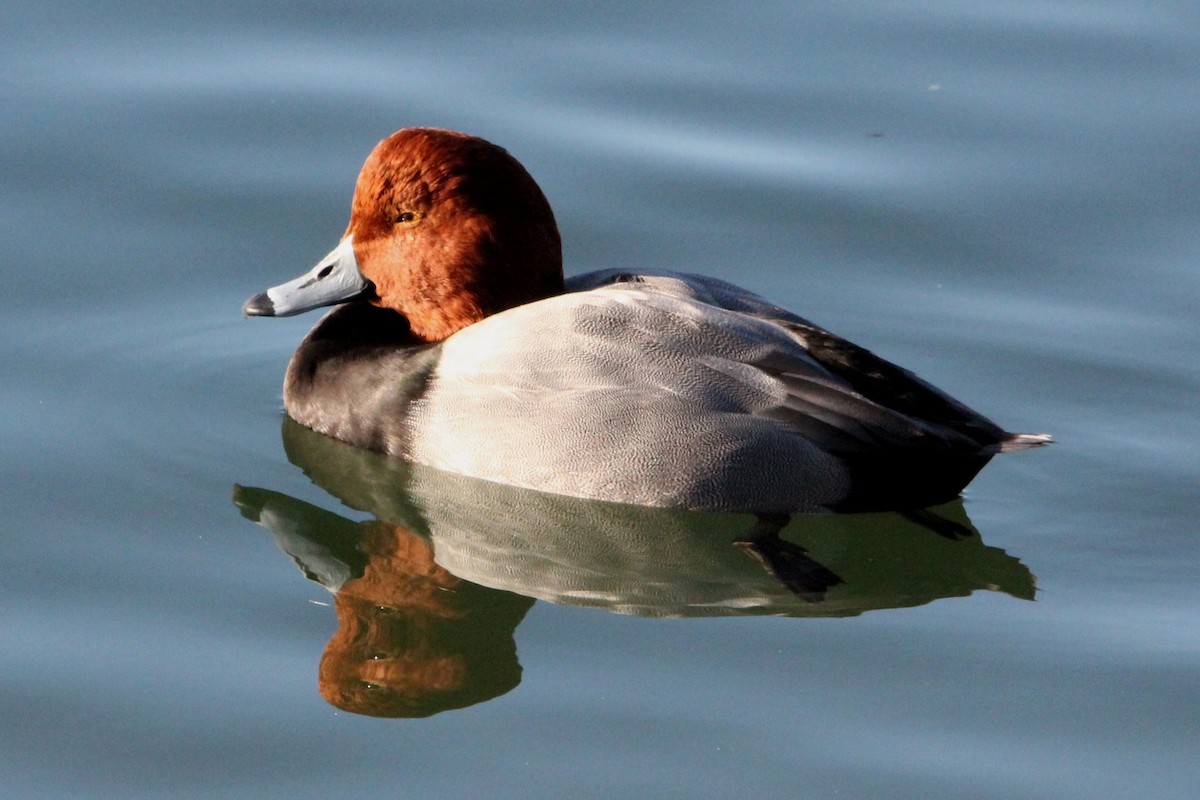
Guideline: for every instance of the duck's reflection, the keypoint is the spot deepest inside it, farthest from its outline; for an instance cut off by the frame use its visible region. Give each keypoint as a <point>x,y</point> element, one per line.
<point>428,594</point>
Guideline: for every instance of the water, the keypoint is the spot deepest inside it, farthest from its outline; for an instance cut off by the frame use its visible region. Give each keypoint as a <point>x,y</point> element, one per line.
<point>1002,198</point>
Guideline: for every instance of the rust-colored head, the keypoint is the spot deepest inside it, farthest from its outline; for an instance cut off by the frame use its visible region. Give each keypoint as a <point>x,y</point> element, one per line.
<point>449,229</point>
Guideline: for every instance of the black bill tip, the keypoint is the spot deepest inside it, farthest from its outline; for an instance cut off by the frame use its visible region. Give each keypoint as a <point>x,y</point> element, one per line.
<point>258,306</point>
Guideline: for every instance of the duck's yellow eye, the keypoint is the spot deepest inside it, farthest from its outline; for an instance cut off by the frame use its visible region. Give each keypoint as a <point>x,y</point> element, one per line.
<point>405,216</point>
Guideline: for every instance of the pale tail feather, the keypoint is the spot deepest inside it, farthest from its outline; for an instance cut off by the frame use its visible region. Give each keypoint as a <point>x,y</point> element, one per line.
<point>1021,441</point>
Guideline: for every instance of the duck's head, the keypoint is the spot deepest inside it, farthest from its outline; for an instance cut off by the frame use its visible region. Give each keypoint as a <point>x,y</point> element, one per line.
<point>445,229</point>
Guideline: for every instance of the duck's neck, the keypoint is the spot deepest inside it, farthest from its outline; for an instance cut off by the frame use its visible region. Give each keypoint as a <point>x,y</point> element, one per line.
<point>438,301</point>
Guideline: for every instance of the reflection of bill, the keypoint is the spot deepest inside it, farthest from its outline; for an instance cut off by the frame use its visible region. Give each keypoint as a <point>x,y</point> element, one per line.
<point>411,638</point>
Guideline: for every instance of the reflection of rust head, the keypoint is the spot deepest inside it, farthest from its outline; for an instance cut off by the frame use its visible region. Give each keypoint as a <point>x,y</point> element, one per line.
<point>401,574</point>
<point>412,639</point>
<point>387,662</point>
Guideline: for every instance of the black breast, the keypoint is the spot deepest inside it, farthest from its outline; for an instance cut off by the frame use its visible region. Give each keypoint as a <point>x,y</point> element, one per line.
<point>356,375</point>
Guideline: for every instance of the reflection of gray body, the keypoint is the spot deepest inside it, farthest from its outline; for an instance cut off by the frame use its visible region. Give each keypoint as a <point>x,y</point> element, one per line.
<point>630,559</point>
<point>659,390</point>
<point>656,562</point>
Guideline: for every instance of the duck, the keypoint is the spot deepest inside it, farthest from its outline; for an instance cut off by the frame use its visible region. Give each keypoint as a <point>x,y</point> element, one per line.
<point>455,342</point>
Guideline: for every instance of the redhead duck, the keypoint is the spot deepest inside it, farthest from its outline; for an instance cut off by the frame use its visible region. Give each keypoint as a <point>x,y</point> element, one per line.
<point>459,345</point>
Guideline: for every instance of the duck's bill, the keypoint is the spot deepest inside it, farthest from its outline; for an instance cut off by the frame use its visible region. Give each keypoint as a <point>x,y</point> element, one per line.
<point>335,279</point>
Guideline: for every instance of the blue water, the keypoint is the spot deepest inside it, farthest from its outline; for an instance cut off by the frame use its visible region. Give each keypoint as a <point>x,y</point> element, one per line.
<point>1002,197</point>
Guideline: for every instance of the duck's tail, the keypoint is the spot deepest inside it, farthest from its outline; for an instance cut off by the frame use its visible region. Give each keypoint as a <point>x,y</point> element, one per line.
<point>1020,441</point>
